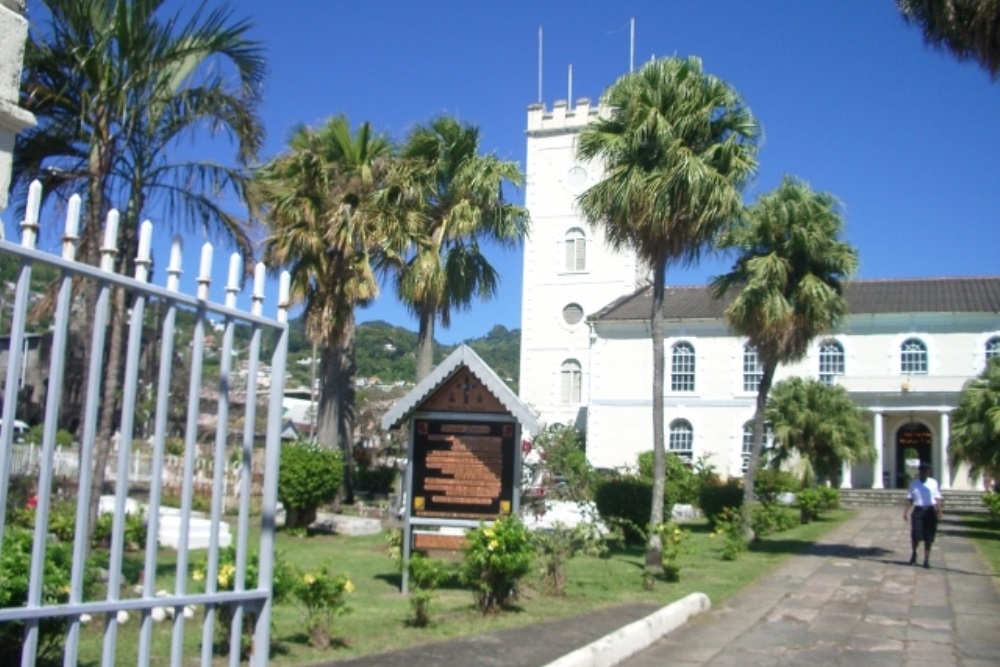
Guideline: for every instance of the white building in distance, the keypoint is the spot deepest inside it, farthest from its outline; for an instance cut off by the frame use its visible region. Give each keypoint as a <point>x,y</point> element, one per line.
<point>903,353</point>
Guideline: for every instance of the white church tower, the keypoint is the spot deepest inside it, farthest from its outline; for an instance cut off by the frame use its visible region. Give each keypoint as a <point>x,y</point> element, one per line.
<point>569,271</point>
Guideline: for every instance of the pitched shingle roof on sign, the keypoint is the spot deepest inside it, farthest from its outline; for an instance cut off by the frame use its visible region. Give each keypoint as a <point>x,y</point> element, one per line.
<point>864,297</point>
<point>463,356</point>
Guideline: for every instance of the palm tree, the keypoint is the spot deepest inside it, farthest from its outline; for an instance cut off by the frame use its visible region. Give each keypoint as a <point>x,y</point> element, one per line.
<point>789,275</point>
<point>452,199</point>
<point>819,423</point>
<point>975,425</point>
<point>678,145</point>
<point>318,199</point>
<point>969,29</point>
<point>115,88</point>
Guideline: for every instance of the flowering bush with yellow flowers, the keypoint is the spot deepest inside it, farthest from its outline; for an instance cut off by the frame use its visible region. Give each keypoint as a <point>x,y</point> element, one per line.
<point>497,555</point>
<point>225,580</point>
<point>321,595</point>
<point>674,540</point>
<point>729,527</point>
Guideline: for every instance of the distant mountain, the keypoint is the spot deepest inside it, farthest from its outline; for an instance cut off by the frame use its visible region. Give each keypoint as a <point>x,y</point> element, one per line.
<point>388,352</point>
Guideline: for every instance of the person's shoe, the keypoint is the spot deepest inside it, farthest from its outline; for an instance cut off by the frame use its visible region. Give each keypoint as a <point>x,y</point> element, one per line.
<point>913,559</point>
<point>927,564</point>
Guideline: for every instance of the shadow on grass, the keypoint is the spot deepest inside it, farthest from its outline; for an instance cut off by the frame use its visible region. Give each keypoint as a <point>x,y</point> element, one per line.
<point>303,639</point>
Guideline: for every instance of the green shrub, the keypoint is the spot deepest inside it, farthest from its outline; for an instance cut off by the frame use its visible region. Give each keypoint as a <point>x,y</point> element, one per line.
<point>135,531</point>
<point>769,485</point>
<point>626,501</point>
<point>729,528</point>
<point>718,496</point>
<point>770,519</point>
<point>675,542</point>
<point>992,502</point>
<point>282,584</point>
<point>321,595</point>
<point>497,556</point>
<point>829,498</point>
<point>557,546</point>
<point>15,567</point>
<point>563,455</point>
<point>425,577</point>
<point>809,502</point>
<point>377,479</point>
<point>309,477</point>
<point>681,483</point>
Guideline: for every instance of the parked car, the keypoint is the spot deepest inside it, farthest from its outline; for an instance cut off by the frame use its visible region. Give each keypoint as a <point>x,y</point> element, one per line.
<point>20,430</point>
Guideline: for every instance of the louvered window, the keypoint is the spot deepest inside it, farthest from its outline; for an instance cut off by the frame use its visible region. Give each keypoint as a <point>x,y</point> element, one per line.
<point>576,250</point>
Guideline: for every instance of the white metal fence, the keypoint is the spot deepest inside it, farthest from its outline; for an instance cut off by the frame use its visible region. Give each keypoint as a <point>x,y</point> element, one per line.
<point>45,611</point>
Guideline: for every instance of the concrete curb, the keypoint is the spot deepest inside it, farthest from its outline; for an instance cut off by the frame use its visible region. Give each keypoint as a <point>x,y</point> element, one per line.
<point>625,642</point>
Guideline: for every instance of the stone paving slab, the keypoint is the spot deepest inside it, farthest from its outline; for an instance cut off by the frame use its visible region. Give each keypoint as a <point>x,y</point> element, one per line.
<point>853,600</point>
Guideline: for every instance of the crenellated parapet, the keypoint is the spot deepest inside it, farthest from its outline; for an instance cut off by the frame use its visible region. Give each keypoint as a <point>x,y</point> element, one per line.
<point>562,117</point>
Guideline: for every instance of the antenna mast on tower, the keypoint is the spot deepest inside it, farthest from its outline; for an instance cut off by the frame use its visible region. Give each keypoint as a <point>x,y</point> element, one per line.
<point>539,64</point>
<point>631,45</point>
<point>569,92</point>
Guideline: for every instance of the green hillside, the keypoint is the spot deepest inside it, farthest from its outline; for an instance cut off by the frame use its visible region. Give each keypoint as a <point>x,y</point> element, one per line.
<point>388,352</point>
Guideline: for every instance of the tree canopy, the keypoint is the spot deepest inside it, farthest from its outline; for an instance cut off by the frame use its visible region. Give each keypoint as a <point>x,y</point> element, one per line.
<point>786,285</point>
<point>819,424</point>
<point>968,29</point>
<point>677,146</point>
<point>975,424</point>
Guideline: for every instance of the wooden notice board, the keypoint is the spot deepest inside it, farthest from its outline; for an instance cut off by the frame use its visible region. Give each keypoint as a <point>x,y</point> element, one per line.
<point>462,469</point>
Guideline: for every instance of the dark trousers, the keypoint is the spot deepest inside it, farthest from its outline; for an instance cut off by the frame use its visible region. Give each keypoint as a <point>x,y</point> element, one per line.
<point>923,524</point>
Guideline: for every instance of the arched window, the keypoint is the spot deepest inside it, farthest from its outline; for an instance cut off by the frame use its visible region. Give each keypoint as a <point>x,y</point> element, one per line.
<point>682,439</point>
<point>831,361</point>
<point>576,250</point>
<point>752,370</point>
<point>913,357</point>
<point>992,348</point>
<point>571,381</point>
<point>682,367</point>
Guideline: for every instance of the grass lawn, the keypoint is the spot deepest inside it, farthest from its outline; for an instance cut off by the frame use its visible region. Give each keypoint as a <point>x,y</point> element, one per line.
<point>985,533</point>
<point>377,619</point>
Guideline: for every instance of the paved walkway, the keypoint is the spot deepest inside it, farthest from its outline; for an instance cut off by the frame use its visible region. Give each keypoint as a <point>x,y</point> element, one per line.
<point>851,600</point>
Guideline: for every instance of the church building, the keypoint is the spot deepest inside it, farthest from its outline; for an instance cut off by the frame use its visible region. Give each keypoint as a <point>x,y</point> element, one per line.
<point>903,352</point>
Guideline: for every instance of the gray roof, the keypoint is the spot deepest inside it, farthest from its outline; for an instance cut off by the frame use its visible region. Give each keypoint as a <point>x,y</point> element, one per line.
<point>467,357</point>
<point>864,297</point>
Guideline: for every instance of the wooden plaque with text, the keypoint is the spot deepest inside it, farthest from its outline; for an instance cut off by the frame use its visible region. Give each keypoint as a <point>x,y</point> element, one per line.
<point>462,469</point>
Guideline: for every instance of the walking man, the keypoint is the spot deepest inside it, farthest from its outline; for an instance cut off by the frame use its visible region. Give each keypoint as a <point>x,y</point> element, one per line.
<point>923,503</point>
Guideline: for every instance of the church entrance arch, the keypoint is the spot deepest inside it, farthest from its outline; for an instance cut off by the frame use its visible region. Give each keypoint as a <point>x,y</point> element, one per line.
<point>913,441</point>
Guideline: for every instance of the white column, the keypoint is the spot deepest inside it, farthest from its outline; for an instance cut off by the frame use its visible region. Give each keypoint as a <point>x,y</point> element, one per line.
<point>945,475</point>
<point>845,475</point>
<point>877,482</point>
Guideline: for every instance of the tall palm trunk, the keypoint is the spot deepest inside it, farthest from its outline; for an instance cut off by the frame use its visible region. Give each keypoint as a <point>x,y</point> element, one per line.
<point>425,343</point>
<point>127,243</point>
<point>346,421</point>
<point>763,389</point>
<point>98,164</point>
<point>654,548</point>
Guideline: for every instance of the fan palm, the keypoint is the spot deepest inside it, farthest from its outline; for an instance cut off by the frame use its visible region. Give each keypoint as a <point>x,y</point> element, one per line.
<point>969,29</point>
<point>452,201</point>
<point>318,199</point>
<point>678,146</point>
<point>115,88</point>
<point>819,423</point>
<point>975,424</point>
<point>789,285</point>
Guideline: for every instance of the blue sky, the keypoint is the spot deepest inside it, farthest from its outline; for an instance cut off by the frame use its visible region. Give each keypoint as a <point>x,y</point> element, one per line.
<point>849,97</point>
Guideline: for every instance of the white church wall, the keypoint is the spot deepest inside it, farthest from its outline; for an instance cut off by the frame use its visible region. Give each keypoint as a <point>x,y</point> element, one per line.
<point>554,180</point>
